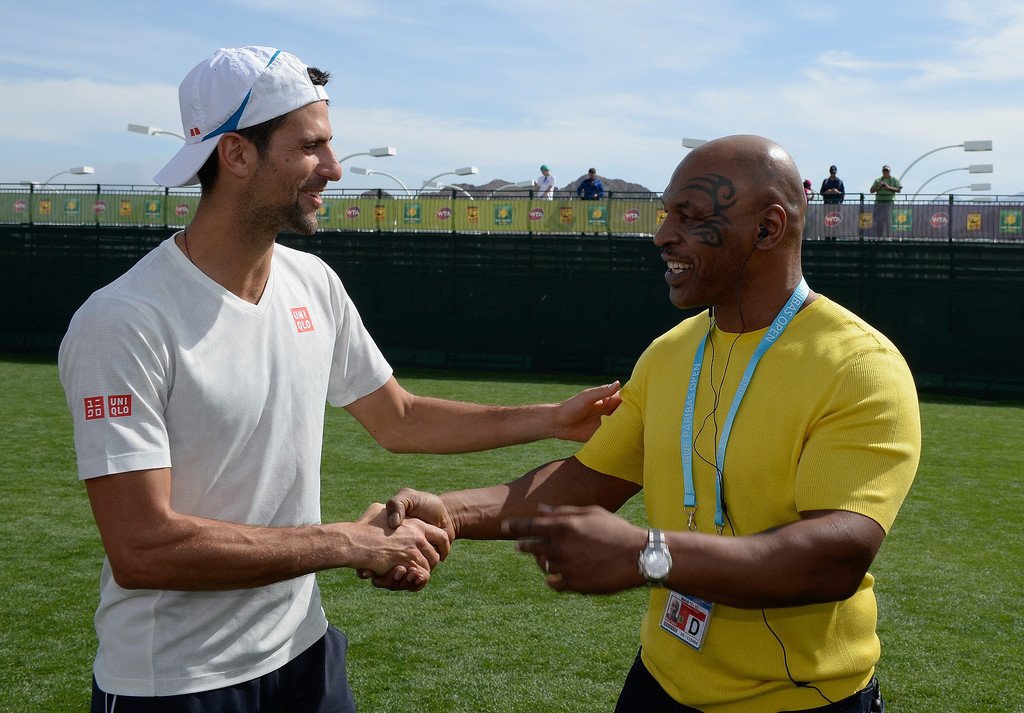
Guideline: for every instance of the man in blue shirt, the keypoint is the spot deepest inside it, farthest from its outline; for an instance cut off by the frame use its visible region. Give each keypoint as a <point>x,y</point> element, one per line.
<point>832,188</point>
<point>591,189</point>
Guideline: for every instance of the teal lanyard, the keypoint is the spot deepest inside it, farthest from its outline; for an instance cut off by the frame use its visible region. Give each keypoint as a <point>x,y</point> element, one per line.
<point>778,326</point>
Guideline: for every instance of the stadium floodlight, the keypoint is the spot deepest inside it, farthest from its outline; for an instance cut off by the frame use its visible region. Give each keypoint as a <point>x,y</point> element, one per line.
<point>437,185</point>
<point>985,145</point>
<point>152,131</point>
<point>382,151</point>
<point>373,172</point>
<point>464,171</point>
<point>76,171</point>
<point>971,187</point>
<point>973,168</point>
<point>512,186</point>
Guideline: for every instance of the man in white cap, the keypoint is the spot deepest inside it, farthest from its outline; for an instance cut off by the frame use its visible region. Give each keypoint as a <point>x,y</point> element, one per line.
<point>545,185</point>
<point>197,383</point>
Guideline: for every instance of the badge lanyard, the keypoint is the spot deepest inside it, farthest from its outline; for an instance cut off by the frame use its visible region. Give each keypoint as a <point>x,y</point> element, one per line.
<point>776,329</point>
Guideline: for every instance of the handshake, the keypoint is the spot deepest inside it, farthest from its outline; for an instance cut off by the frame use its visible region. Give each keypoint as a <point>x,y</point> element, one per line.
<point>584,548</point>
<point>408,547</point>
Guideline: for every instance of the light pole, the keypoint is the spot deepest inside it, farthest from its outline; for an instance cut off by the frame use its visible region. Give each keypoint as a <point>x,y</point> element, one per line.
<point>510,186</point>
<point>76,171</point>
<point>973,168</point>
<point>152,131</point>
<point>372,172</point>
<point>465,171</point>
<point>382,151</point>
<point>693,143</point>
<point>973,187</point>
<point>441,186</point>
<point>985,145</point>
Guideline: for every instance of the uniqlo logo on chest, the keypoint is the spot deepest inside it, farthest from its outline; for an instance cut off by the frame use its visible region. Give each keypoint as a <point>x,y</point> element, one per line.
<point>117,406</point>
<point>302,321</point>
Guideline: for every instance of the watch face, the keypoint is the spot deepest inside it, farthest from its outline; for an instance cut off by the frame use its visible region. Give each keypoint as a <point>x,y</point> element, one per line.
<point>656,564</point>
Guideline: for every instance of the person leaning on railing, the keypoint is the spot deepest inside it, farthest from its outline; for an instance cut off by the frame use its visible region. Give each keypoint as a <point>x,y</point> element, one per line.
<point>590,188</point>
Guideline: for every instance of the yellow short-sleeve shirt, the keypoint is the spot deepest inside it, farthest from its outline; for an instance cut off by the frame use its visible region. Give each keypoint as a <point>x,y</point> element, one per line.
<point>830,421</point>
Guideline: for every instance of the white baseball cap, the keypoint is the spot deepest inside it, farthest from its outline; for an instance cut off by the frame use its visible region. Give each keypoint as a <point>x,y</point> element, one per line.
<point>234,89</point>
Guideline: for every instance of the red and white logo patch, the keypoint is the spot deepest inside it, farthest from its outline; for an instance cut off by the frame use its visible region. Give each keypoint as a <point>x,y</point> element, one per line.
<point>194,131</point>
<point>302,321</point>
<point>93,407</point>
<point>119,405</point>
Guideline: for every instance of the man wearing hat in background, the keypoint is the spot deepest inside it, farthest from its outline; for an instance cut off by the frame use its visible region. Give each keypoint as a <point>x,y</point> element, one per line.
<point>545,185</point>
<point>885,189</point>
<point>197,383</point>
<point>590,188</point>
<point>832,188</point>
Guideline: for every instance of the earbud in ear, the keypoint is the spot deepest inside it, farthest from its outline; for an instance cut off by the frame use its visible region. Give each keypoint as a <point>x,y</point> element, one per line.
<point>762,233</point>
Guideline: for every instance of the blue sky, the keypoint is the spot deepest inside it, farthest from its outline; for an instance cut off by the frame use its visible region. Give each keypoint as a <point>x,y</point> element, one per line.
<point>506,86</point>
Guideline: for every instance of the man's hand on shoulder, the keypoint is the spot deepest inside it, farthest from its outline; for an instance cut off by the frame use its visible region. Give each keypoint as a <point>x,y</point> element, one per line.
<point>577,418</point>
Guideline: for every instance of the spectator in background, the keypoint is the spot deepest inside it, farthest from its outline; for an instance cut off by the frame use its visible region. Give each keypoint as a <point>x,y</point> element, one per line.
<point>545,185</point>
<point>591,188</point>
<point>808,191</point>
<point>885,189</point>
<point>832,188</point>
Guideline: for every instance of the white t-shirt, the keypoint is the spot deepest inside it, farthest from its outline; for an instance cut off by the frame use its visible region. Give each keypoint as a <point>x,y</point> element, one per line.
<point>546,187</point>
<point>165,368</point>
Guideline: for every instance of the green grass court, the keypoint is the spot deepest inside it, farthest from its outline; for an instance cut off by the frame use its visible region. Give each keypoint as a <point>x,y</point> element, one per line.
<point>486,635</point>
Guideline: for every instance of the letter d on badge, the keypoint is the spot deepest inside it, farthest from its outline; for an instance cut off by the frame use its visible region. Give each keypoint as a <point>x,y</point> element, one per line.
<point>687,618</point>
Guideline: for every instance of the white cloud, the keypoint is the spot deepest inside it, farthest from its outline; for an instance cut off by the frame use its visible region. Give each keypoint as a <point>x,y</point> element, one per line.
<point>74,111</point>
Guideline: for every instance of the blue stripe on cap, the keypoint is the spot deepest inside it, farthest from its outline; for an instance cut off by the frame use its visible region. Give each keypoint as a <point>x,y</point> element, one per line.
<point>232,121</point>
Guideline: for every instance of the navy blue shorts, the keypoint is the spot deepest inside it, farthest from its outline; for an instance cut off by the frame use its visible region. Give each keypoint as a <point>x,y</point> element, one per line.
<point>314,681</point>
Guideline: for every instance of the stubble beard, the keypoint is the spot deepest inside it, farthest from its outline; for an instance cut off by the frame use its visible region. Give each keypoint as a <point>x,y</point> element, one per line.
<point>282,216</point>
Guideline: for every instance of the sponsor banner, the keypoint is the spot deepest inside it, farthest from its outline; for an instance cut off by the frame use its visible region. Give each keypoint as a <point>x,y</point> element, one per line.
<point>617,216</point>
<point>412,213</point>
<point>902,220</point>
<point>597,215</point>
<point>939,220</point>
<point>1010,221</point>
<point>503,214</point>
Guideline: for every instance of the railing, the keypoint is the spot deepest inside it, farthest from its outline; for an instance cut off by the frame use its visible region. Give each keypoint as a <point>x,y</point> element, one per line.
<point>942,217</point>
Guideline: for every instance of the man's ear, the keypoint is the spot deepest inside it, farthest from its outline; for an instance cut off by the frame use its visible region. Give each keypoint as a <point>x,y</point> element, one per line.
<point>772,228</point>
<point>237,155</point>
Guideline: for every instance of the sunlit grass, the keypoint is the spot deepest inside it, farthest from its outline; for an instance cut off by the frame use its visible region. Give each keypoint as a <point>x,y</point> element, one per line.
<point>486,635</point>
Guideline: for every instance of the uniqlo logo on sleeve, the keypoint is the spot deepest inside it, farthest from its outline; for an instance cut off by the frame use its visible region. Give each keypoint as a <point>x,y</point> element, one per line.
<point>302,321</point>
<point>119,405</point>
<point>93,407</point>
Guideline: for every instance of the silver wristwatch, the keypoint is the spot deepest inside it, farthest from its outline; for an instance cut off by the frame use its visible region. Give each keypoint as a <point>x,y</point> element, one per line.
<point>655,561</point>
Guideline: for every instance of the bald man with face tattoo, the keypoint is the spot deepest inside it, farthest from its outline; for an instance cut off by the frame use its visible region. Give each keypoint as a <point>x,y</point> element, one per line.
<point>774,436</point>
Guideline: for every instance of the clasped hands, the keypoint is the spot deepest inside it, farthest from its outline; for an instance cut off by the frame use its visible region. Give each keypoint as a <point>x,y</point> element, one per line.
<point>581,549</point>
